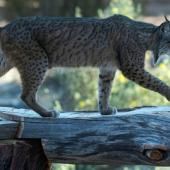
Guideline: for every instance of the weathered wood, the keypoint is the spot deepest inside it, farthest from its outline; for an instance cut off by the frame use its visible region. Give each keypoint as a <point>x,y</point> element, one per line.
<point>140,136</point>
<point>8,129</point>
<point>6,151</point>
<point>132,138</point>
<point>21,155</point>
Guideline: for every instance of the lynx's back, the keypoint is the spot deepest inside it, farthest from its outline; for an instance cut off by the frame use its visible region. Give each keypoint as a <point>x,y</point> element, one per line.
<point>68,42</point>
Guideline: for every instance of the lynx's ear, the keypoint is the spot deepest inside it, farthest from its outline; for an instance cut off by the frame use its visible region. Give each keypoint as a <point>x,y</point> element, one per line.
<point>165,26</point>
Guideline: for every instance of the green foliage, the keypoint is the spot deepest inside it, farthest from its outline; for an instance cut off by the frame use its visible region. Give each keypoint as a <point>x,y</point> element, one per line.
<point>71,89</point>
<point>63,167</point>
<point>123,7</point>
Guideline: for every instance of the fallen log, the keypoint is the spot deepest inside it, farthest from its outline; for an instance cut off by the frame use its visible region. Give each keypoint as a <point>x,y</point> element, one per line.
<point>135,137</point>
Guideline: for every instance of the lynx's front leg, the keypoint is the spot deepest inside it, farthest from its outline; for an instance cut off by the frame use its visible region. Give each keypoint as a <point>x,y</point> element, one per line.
<point>137,73</point>
<point>105,81</point>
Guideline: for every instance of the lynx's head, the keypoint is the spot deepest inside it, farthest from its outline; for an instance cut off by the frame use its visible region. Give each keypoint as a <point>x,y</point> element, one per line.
<point>161,41</point>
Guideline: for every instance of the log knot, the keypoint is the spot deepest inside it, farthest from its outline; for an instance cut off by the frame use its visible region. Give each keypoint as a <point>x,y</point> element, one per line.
<point>155,154</point>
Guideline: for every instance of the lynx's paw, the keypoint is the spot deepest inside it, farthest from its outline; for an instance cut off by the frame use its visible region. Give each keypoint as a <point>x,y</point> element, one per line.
<point>109,111</point>
<point>52,114</point>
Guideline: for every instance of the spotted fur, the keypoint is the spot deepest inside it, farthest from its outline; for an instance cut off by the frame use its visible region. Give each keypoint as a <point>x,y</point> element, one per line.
<point>35,44</point>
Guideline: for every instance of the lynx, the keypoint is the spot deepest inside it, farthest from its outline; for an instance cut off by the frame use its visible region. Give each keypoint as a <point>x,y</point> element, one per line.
<point>35,44</point>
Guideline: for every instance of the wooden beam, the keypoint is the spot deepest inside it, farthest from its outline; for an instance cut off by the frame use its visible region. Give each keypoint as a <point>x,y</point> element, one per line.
<point>8,129</point>
<point>139,136</point>
<point>21,155</point>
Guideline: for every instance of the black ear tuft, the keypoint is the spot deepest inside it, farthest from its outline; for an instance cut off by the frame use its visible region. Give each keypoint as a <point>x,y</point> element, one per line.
<point>166,19</point>
<point>156,59</point>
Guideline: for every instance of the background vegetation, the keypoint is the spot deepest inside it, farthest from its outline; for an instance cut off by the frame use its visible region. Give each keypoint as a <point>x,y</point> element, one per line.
<point>67,89</point>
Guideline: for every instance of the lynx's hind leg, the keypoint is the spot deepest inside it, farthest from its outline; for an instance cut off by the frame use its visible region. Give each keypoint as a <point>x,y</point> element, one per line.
<point>105,82</point>
<point>32,67</point>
